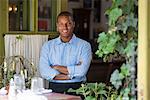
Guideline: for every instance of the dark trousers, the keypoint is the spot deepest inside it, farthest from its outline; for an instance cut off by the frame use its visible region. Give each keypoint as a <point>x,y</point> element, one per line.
<point>63,87</point>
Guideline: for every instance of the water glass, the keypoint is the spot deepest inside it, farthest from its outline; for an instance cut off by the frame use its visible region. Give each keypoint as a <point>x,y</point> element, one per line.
<point>36,84</point>
<point>19,82</point>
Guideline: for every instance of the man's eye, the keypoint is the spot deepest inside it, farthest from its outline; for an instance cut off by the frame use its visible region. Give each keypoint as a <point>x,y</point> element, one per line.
<point>60,24</point>
<point>69,24</point>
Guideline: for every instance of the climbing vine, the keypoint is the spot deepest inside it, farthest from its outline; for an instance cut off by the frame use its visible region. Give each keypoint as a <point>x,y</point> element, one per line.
<point>121,41</point>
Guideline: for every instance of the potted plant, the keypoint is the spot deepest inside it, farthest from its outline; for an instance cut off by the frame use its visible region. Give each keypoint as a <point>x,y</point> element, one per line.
<point>119,41</point>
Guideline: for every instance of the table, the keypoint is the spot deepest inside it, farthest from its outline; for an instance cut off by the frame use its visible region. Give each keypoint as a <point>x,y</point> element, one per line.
<point>52,96</point>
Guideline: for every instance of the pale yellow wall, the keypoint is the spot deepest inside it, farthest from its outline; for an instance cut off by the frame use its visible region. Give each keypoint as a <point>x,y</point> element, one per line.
<point>143,49</point>
<point>64,4</point>
<point>3,25</point>
<point>148,48</point>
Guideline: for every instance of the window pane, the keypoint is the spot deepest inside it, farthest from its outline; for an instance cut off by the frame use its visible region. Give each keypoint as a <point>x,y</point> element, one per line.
<point>44,15</point>
<point>18,15</point>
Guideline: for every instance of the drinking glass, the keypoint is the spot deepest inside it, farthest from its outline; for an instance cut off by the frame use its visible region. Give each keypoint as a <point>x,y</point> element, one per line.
<point>19,82</point>
<point>36,84</point>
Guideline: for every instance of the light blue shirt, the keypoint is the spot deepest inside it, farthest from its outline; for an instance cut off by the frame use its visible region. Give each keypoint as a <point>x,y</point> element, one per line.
<point>75,54</point>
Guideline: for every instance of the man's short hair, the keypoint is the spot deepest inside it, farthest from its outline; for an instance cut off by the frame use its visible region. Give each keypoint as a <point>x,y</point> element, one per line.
<point>65,13</point>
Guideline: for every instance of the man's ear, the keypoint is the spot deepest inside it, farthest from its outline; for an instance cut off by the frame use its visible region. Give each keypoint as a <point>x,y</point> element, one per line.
<point>56,24</point>
<point>57,27</point>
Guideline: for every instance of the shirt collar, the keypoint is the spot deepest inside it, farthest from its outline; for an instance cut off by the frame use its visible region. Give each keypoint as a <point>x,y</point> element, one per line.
<point>58,40</point>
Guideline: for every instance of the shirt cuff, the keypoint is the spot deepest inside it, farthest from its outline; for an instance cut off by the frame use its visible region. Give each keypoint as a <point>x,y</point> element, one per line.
<point>71,70</point>
<point>70,76</point>
<point>51,76</point>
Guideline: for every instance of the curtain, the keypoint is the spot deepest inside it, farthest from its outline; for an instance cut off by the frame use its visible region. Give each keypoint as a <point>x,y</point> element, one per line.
<point>28,46</point>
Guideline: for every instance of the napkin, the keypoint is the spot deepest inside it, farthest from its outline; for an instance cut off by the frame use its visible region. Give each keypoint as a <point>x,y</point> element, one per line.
<point>29,95</point>
<point>3,91</point>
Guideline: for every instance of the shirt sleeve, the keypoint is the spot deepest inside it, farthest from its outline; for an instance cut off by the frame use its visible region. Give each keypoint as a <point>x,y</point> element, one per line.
<point>46,71</point>
<point>80,69</point>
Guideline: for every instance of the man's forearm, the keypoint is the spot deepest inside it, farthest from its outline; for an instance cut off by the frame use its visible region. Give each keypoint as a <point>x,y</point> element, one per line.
<point>61,69</point>
<point>61,77</point>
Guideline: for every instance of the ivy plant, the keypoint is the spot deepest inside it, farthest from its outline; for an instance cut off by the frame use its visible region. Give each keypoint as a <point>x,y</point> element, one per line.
<point>119,41</point>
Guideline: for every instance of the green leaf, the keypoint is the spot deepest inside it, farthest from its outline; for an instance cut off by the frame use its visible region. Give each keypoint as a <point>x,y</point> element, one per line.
<point>118,2</point>
<point>90,98</point>
<point>99,53</point>
<point>102,37</point>
<point>130,49</point>
<point>116,79</point>
<point>107,44</point>
<point>120,48</point>
<point>113,15</point>
<point>71,90</point>
<point>124,27</point>
<point>121,75</point>
<point>127,22</point>
<point>128,6</point>
<point>127,91</point>
<point>131,21</point>
<point>19,37</point>
<point>125,70</point>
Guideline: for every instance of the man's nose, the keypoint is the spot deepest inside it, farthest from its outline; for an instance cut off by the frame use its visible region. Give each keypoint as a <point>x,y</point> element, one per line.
<point>65,26</point>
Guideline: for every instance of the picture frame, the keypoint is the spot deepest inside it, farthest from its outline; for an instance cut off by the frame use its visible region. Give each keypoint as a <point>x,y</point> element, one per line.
<point>44,13</point>
<point>42,25</point>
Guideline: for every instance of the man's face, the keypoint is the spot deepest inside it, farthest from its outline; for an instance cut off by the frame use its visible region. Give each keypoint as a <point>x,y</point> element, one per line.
<point>65,26</point>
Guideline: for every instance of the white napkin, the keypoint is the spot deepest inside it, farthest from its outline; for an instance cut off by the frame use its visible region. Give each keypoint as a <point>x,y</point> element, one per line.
<point>3,91</point>
<point>29,95</point>
<point>44,91</point>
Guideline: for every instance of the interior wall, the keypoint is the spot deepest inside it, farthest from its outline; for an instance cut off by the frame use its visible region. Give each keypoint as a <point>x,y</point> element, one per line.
<point>3,27</point>
<point>148,48</point>
<point>96,27</point>
<point>143,71</point>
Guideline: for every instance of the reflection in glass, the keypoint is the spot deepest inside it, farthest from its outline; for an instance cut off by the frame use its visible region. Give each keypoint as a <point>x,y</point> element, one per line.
<point>18,15</point>
<point>44,15</point>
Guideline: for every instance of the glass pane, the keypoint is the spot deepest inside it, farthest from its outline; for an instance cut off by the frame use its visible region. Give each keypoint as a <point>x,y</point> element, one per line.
<point>44,15</point>
<point>18,16</point>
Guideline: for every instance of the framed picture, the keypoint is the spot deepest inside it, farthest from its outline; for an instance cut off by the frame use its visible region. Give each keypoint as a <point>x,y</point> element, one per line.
<point>44,15</point>
<point>42,25</point>
<point>44,12</point>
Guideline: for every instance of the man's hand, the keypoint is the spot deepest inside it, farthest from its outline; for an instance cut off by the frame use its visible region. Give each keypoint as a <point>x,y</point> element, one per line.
<point>61,69</point>
<point>61,77</point>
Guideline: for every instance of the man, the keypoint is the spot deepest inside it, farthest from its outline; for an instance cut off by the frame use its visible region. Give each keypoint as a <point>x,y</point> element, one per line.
<point>64,61</point>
